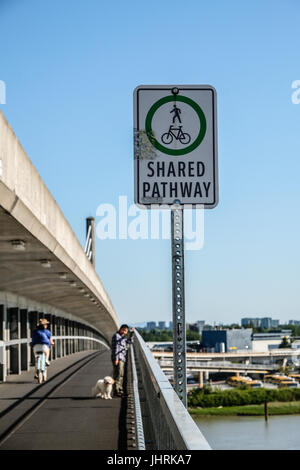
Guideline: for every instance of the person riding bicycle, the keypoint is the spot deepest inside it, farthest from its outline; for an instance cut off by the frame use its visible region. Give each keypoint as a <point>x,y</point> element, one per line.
<point>41,339</point>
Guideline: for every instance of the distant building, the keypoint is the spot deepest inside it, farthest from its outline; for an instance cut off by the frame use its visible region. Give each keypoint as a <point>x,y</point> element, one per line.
<point>254,322</point>
<point>151,325</point>
<point>198,326</point>
<point>162,325</point>
<point>193,327</point>
<point>263,342</point>
<point>294,322</point>
<point>264,322</point>
<point>227,340</point>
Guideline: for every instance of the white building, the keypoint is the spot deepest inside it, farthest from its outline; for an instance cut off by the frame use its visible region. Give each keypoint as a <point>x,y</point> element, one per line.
<point>263,342</point>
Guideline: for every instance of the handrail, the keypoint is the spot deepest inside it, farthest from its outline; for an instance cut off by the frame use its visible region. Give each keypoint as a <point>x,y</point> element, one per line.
<point>173,426</point>
<point>13,342</point>
<point>138,414</point>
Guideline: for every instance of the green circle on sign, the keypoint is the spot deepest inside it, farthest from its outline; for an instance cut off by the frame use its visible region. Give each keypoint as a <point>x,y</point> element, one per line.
<point>162,148</point>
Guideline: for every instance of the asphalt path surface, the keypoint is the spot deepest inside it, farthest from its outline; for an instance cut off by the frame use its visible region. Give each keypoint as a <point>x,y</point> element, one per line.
<point>61,414</point>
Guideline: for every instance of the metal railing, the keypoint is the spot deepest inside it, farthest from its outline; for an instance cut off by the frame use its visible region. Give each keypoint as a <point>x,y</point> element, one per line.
<point>13,342</point>
<point>27,341</point>
<point>139,429</point>
<point>172,425</point>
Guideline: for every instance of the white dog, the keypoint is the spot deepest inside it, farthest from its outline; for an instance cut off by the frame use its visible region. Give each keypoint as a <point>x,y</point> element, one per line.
<point>103,388</point>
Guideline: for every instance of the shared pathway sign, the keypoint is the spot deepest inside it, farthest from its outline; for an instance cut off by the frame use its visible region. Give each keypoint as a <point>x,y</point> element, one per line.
<point>175,129</point>
<point>175,162</point>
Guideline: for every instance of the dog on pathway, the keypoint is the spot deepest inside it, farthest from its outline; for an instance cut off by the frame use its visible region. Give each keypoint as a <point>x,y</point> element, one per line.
<point>103,388</point>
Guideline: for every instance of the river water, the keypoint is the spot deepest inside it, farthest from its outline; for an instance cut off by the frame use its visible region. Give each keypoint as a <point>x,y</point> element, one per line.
<point>251,432</point>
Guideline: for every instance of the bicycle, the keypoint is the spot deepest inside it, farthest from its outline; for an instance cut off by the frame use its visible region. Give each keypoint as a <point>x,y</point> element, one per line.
<point>183,137</point>
<point>40,365</point>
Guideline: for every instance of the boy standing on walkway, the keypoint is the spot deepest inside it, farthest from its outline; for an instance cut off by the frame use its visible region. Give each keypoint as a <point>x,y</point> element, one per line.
<point>118,356</point>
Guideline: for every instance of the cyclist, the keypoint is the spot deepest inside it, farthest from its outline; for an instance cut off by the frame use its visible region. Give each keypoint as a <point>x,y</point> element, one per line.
<point>41,339</point>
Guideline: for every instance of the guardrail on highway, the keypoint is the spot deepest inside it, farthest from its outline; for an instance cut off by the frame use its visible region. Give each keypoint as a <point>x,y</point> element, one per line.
<point>215,365</point>
<point>235,354</point>
<point>172,426</point>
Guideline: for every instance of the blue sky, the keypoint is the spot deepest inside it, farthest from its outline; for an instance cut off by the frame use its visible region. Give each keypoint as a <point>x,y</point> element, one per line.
<point>70,68</point>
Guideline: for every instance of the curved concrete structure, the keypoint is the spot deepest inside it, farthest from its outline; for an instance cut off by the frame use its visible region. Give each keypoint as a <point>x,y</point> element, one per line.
<point>29,213</point>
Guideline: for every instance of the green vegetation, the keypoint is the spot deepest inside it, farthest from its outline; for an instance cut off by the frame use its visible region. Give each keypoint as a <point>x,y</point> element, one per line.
<point>156,335</point>
<point>207,398</point>
<point>249,410</point>
<point>166,335</point>
<point>284,343</point>
<point>294,328</point>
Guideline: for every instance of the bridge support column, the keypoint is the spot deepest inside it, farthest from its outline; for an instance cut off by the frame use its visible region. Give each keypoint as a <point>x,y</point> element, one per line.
<point>66,340</point>
<point>63,341</point>
<point>53,331</point>
<point>25,334</point>
<point>51,326</point>
<point>73,341</point>
<point>284,362</point>
<point>15,349</point>
<point>3,366</point>
<point>33,320</point>
<point>201,379</point>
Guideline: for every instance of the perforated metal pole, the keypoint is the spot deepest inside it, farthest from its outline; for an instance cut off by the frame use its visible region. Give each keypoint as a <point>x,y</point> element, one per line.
<point>179,327</point>
<point>90,248</point>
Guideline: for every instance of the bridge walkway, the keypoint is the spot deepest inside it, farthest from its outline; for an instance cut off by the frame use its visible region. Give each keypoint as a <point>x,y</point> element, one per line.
<point>61,414</point>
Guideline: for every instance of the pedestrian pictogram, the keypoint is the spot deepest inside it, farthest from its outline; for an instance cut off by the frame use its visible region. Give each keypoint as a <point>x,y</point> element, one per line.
<point>177,112</point>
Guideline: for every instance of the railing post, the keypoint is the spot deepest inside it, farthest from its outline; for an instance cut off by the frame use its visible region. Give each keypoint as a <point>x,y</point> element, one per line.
<point>2,344</point>
<point>15,349</point>
<point>24,335</point>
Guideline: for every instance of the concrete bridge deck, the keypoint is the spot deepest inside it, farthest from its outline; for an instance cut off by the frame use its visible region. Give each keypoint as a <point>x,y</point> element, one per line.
<point>61,413</point>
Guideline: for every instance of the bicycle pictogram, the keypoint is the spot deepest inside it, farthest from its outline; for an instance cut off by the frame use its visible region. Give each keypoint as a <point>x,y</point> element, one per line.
<point>177,134</point>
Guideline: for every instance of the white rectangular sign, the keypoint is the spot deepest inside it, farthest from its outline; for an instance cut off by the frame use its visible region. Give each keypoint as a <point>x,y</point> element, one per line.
<point>175,145</point>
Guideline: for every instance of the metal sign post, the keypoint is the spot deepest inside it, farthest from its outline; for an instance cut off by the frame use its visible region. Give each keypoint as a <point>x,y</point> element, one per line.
<point>179,328</point>
<point>176,164</point>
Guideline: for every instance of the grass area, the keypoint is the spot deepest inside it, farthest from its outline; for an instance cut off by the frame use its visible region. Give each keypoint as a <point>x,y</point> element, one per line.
<point>275,408</point>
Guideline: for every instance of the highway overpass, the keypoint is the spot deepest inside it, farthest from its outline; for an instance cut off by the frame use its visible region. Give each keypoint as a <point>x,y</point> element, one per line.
<point>271,355</point>
<point>219,366</point>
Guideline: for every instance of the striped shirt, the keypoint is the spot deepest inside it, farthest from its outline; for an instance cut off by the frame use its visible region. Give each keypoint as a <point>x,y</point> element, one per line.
<point>119,346</point>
